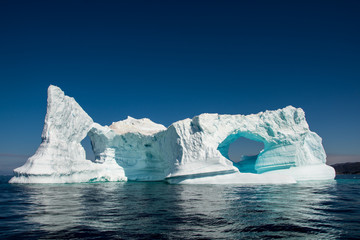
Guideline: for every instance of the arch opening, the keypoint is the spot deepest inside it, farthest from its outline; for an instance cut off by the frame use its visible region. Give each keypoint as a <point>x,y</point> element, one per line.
<point>89,153</point>
<point>242,150</point>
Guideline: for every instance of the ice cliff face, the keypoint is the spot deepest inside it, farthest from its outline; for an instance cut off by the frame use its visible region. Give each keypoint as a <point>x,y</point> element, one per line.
<point>60,156</point>
<point>189,151</point>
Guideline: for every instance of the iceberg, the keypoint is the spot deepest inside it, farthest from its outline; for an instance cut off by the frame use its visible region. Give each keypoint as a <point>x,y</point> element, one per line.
<point>60,157</point>
<point>190,151</point>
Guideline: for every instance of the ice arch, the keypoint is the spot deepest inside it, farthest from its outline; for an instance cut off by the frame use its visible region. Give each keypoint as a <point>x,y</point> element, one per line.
<point>225,145</point>
<point>246,163</point>
<point>188,151</point>
<point>288,142</point>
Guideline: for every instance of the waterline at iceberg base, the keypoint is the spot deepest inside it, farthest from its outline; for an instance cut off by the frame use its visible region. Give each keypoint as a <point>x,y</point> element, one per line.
<point>190,151</point>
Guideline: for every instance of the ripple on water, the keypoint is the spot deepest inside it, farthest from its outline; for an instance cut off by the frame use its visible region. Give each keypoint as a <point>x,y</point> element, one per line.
<point>314,210</point>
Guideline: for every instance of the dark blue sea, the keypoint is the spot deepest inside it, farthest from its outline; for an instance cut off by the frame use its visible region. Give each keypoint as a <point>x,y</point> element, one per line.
<point>311,210</point>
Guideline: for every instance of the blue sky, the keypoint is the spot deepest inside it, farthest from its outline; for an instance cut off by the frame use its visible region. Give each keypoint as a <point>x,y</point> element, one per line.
<point>169,60</point>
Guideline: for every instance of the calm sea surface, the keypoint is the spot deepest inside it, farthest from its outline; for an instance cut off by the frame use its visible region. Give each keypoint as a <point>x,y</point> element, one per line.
<point>311,210</point>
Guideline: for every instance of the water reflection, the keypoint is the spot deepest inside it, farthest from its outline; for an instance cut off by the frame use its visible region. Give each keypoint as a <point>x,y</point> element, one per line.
<point>157,210</point>
<point>281,211</point>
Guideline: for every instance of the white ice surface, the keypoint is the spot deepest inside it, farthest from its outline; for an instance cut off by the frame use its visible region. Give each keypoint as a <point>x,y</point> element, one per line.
<point>61,157</point>
<point>131,125</point>
<point>189,151</point>
<point>283,176</point>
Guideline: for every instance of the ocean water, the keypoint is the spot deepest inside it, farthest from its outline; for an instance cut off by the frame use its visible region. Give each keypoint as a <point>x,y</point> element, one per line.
<point>309,210</point>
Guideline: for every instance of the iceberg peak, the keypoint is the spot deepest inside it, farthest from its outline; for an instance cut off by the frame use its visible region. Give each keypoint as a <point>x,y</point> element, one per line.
<point>60,157</point>
<point>131,125</point>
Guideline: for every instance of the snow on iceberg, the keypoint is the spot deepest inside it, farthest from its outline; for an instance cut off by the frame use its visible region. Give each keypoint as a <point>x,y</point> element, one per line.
<point>193,151</point>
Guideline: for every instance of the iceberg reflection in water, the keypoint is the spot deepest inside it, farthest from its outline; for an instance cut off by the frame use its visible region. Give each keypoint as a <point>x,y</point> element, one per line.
<point>319,210</point>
